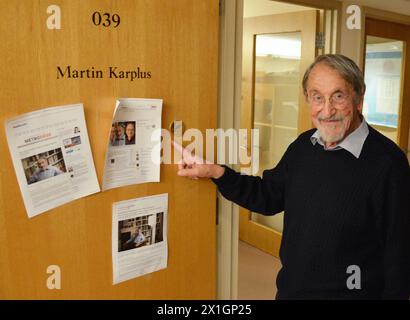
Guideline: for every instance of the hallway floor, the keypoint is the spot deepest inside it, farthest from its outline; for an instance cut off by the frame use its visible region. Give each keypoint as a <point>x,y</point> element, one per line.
<point>257,273</point>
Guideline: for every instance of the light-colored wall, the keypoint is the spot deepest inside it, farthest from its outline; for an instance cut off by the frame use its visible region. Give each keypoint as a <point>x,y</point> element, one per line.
<point>229,117</point>
<point>351,41</point>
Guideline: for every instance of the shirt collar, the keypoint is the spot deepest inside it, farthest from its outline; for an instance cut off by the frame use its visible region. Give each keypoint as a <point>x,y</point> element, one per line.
<point>353,142</point>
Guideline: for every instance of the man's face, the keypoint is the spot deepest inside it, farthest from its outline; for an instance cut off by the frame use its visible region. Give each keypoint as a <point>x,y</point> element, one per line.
<point>331,99</point>
<point>130,130</point>
<point>120,131</point>
<point>42,163</point>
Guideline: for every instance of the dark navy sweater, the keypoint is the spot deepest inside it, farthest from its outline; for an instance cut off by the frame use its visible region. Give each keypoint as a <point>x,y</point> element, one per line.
<point>340,211</point>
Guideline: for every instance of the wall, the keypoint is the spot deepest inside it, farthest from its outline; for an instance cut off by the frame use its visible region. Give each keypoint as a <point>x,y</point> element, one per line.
<point>351,41</point>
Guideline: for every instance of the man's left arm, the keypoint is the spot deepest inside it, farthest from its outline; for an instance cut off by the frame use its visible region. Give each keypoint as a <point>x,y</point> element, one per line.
<point>396,259</point>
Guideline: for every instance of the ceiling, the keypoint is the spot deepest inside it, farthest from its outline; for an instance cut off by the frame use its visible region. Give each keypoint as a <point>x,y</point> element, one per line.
<point>254,8</point>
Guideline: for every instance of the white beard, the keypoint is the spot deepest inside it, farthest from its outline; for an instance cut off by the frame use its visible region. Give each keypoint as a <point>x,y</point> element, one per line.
<point>330,138</point>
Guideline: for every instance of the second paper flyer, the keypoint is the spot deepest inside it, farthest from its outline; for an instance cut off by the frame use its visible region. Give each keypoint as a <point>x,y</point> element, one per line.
<point>131,156</point>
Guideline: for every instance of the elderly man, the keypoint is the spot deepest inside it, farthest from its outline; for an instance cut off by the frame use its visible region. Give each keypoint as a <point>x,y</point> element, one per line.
<point>137,240</point>
<point>345,191</point>
<point>130,133</point>
<point>44,171</point>
<point>120,135</point>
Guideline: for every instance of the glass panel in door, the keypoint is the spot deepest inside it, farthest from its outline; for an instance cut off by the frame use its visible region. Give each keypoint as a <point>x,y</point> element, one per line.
<point>276,101</point>
<point>383,77</point>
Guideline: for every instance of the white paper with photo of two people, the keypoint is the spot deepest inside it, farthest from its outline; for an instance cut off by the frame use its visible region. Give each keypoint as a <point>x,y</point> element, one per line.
<point>133,149</point>
<point>52,157</point>
<point>139,237</point>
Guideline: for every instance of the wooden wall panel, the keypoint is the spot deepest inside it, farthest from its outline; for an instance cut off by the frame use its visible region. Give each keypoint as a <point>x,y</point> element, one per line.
<point>177,41</point>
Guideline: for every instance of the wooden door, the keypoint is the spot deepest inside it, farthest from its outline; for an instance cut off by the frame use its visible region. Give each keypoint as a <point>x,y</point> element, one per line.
<point>177,42</point>
<point>387,66</point>
<point>266,105</point>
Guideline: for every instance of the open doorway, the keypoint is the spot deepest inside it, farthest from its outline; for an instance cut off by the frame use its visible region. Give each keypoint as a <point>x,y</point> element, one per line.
<point>279,42</point>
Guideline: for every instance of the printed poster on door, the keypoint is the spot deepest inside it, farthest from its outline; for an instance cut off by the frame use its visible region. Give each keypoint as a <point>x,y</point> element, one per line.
<point>52,157</point>
<point>133,146</point>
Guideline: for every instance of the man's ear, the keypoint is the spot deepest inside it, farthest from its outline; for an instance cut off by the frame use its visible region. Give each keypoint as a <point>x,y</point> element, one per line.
<point>359,106</point>
<point>360,101</point>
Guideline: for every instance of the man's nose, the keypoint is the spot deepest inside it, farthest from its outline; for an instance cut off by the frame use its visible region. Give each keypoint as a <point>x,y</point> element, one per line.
<point>328,110</point>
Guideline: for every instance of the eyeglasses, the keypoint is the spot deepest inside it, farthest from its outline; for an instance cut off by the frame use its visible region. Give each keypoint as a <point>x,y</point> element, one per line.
<point>337,100</point>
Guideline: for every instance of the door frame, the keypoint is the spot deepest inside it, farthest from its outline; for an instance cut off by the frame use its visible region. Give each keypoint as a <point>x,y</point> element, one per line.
<point>229,101</point>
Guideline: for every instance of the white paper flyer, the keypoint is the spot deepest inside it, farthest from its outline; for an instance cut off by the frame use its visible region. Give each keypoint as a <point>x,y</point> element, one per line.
<point>139,237</point>
<point>52,157</point>
<point>131,156</point>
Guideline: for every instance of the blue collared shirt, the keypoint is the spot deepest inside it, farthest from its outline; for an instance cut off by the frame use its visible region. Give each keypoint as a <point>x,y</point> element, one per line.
<point>46,173</point>
<point>353,142</point>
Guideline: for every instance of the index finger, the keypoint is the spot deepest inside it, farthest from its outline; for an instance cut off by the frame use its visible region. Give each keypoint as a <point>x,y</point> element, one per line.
<point>178,147</point>
<point>187,155</point>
